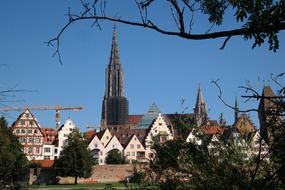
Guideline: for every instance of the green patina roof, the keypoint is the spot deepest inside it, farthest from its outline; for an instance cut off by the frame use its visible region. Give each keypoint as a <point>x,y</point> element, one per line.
<point>148,118</point>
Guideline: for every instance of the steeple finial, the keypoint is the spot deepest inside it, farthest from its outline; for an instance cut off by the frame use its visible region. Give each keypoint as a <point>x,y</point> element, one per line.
<point>114,57</point>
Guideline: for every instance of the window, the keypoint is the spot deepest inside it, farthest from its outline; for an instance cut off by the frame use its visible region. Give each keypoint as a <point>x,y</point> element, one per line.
<point>37,140</point>
<point>107,137</point>
<point>31,123</point>
<point>27,115</point>
<point>138,146</point>
<point>22,122</point>
<point>23,131</point>
<point>132,146</point>
<point>31,140</point>
<point>128,153</point>
<point>101,161</point>
<point>37,150</point>
<point>65,135</point>
<point>133,153</point>
<point>47,149</point>
<point>30,150</point>
<point>18,131</point>
<point>46,157</point>
<point>55,150</point>
<point>96,145</point>
<point>30,131</point>
<point>36,131</point>
<point>22,140</point>
<point>101,153</point>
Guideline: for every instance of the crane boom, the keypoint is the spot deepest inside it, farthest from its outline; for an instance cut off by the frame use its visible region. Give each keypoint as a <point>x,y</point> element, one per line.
<point>57,109</point>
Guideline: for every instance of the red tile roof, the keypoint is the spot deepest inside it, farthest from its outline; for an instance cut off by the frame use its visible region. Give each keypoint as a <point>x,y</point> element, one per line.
<point>134,119</point>
<point>90,134</point>
<point>44,163</point>
<point>213,130</point>
<point>49,135</point>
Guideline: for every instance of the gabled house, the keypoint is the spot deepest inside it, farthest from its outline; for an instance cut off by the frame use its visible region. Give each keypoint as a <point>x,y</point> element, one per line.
<point>258,144</point>
<point>193,138</point>
<point>158,129</point>
<point>30,135</point>
<point>104,136</point>
<point>113,144</point>
<point>213,142</point>
<point>62,135</point>
<point>97,149</point>
<point>134,150</point>
<point>244,125</point>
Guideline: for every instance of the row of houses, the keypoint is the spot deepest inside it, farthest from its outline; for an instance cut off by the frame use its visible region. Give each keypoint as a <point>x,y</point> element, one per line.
<point>133,143</point>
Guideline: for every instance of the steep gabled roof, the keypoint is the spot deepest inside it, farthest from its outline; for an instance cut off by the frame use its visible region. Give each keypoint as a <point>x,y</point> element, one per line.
<point>100,134</point>
<point>125,135</point>
<point>15,123</point>
<point>213,130</point>
<point>49,135</point>
<point>89,135</point>
<point>244,124</point>
<point>134,119</point>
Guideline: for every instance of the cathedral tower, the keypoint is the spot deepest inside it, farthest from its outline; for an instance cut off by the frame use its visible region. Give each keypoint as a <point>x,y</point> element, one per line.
<point>200,112</point>
<point>266,114</point>
<point>115,107</point>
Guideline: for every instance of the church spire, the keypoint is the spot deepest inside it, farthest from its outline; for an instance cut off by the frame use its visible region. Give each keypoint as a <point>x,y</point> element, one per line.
<point>200,108</point>
<point>114,71</point>
<point>114,57</point>
<point>115,107</point>
<point>236,109</point>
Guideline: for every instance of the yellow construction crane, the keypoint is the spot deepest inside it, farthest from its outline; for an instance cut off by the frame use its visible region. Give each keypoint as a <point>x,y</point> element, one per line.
<point>57,109</point>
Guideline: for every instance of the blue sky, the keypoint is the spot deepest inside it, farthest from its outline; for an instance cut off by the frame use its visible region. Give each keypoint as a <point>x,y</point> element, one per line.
<point>158,68</point>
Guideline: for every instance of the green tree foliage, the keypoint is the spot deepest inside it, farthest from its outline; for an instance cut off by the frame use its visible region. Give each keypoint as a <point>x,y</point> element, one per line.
<point>226,166</point>
<point>115,157</point>
<point>12,159</point>
<point>75,159</point>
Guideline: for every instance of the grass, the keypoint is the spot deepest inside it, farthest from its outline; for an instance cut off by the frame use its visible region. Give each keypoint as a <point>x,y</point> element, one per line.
<point>86,186</point>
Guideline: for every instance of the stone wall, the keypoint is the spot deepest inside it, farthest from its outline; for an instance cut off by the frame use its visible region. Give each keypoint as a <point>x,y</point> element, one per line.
<point>101,174</point>
<point>104,173</point>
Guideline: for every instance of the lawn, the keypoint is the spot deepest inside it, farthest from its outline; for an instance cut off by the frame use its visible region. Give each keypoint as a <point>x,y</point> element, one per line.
<point>88,186</point>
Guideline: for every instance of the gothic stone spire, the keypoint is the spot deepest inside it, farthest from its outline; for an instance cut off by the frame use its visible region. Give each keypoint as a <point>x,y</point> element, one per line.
<point>114,71</point>
<point>236,109</point>
<point>200,108</point>
<point>115,107</point>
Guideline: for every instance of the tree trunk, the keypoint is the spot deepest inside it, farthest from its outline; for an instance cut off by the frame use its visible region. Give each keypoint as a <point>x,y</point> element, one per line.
<point>75,180</point>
